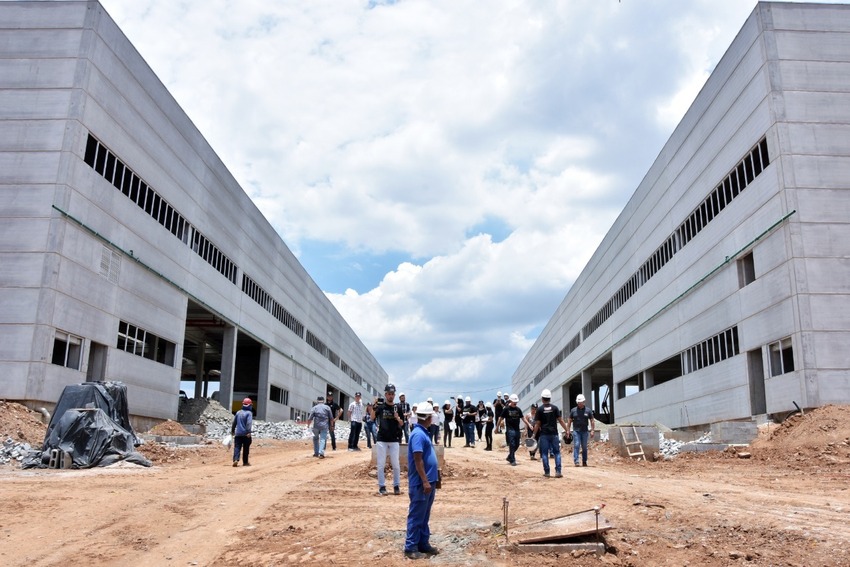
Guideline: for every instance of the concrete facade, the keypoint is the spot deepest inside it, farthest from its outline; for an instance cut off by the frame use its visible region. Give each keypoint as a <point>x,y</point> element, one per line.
<point>722,291</point>
<point>129,251</point>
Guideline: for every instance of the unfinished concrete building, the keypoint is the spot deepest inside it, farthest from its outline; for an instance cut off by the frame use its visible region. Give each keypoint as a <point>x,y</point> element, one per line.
<point>722,291</point>
<point>130,253</point>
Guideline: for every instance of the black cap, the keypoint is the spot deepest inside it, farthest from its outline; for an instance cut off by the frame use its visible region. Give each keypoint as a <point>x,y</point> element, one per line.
<point>320,399</point>
<point>389,388</point>
<point>357,394</point>
<point>534,406</point>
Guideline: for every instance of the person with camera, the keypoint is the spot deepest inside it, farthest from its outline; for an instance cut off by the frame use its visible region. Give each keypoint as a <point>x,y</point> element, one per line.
<point>423,476</point>
<point>448,423</point>
<point>390,418</point>
<point>546,421</point>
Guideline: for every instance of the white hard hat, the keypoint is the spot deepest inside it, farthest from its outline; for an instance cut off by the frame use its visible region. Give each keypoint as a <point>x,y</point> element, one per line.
<point>426,409</point>
<point>546,394</point>
<point>580,398</point>
<point>513,398</point>
<point>488,405</point>
<point>447,403</point>
<point>498,394</point>
<point>400,394</point>
<point>468,399</point>
<point>459,397</point>
<point>431,400</point>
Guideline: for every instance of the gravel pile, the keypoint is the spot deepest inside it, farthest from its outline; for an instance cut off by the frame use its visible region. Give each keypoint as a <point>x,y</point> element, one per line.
<point>218,422</point>
<point>12,450</point>
<point>670,447</point>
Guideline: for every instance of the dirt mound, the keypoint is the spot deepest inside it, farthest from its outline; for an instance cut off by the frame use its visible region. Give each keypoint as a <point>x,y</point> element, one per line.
<point>168,427</point>
<point>816,428</point>
<point>21,424</point>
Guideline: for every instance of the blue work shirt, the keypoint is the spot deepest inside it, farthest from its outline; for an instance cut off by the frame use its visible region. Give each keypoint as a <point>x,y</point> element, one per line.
<point>420,442</point>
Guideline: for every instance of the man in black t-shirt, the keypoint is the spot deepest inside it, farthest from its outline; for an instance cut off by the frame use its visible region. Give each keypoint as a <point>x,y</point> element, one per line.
<point>546,421</point>
<point>581,419</point>
<point>336,411</point>
<point>512,416</point>
<point>389,417</point>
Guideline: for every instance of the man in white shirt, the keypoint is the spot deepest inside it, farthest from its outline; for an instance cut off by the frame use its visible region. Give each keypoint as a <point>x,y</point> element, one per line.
<point>355,418</point>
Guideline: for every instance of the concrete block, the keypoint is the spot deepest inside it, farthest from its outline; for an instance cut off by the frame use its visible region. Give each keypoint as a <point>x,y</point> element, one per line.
<point>647,435</point>
<point>734,432</point>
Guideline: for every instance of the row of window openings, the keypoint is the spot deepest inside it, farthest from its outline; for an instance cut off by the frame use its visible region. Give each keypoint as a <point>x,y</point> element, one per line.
<point>68,348</point>
<point>108,165</point>
<point>714,350</point>
<point>756,160</point>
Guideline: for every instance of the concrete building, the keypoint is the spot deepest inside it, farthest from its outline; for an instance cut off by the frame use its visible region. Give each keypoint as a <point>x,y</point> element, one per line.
<point>722,291</point>
<point>128,250</point>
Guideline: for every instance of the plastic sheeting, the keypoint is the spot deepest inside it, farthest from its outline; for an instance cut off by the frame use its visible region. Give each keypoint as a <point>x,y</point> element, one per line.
<point>91,423</point>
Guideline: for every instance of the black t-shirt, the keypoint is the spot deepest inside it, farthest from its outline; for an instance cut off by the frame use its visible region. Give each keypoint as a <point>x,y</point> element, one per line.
<point>580,418</point>
<point>512,417</point>
<point>389,429</point>
<point>548,416</point>
<point>498,408</point>
<point>469,413</point>
<point>335,407</point>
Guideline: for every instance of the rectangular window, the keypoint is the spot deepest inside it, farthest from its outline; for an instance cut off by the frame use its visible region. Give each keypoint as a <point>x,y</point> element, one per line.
<point>67,350</point>
<point>781,357</point>
<point>746,270</point>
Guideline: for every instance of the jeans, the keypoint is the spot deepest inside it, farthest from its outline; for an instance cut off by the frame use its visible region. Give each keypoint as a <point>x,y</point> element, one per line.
<point>469,429</point>
<point>405,430</point>
<point>580,439</point>
<point>384,448</point>
<point>354,436</point>
<point>488,436</point>
<point>333,439</point>
<point>418,516</point>
<point>243,443</point>
<point>512,439</point>
<point>320,439</point>
<point>434,433</point>
<point>371,433</point>
<point>447,434</point>
<point>549,442</point>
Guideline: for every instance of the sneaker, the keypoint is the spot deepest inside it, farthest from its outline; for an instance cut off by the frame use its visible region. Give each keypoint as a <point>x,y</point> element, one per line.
<point>576,464</point>
<point>584,464</point>
<point>430,551</point>
<point>321,455</point>
<point>315,454</point>
<point>413,555</point>
<point>546,474</point>
<point>235,463</point>
<point>357,449</point>
<point>396,490</point>
<point>246,464</point>
<point>350,450</point>
<point>513,464</point>
<point>558,475</point>
<point>382,491</point>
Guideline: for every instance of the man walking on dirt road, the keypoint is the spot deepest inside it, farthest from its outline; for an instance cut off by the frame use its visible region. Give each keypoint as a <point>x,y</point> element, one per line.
<point>322,420</point>
<point>422,475</point>
<point>581,418</point>
<point>388,416</point>
<point>546,420</point>
<point>241,431</point>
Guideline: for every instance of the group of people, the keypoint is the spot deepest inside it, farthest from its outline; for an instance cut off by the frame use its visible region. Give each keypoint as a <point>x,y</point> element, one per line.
<point>387,422</point>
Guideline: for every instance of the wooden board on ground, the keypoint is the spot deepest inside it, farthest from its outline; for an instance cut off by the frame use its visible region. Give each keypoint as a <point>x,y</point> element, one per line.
<point>572,525</point>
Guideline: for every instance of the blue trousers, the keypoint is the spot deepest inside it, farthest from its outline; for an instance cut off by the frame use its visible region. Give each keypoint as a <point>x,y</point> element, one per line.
<point>320,437</point>
<point>512,438</point>
<point>418,516</point>
<point>546,444</point>
<point>580,440</point>
<point>241,443</point>
<point>371,434</point>
<point>469,430</point>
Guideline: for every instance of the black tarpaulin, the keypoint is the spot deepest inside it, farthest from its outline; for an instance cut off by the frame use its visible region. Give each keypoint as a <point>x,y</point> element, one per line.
<point>91,423</point>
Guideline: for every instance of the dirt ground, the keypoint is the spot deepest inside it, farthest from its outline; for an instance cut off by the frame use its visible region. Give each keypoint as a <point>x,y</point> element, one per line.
<point>788,504</point>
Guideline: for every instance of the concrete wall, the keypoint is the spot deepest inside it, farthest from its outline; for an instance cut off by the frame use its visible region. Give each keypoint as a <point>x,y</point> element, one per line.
<point>781,78</point>
<point>67,71</point>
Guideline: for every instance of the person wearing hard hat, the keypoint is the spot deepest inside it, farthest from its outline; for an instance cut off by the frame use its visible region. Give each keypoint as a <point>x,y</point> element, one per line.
<point>546,420</point>
<point>436,423</point>
<point>581,418</point>
<point>532,452</point>
<point>422,476</point>
<point>489,422</point>
<point>459,416</point>
<point>498,406</point>
<point>243,421</point>
<point>512,416</point>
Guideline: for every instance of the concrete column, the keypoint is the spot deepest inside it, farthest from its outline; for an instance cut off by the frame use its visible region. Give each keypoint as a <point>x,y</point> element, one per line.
<point>586,387</point>
<point>199,368</point>
<point>648,379</point>
<point>263,383</point>
<point>228,366</point>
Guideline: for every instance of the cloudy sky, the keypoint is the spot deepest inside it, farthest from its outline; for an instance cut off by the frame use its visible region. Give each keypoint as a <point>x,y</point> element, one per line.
<point>443,168</point>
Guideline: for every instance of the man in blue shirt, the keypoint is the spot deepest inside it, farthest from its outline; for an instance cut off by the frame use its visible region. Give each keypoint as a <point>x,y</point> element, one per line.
<point>422,477</point>
<point>241,431</point>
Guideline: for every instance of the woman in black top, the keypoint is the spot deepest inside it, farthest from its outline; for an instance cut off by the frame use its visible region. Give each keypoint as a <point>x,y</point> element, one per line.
<point>481,419</point>
<point>488,427</point>
<point>448,418</point>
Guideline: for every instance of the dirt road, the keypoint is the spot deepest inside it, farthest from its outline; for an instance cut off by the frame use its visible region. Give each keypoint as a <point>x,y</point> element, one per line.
<point>787,505</point>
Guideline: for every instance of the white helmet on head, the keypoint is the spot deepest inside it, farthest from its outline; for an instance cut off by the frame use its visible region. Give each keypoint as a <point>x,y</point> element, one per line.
<point>424,409</point>
<point>498,394</point>
<point>447,403</point>
<point>580,399</point>
<point>400,394</point>
<point>468,399</point>
<point>546,395</point>
<point>513,398</point>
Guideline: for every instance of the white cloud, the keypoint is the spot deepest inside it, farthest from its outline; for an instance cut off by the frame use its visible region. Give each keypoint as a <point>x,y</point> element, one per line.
<point>404,126</point>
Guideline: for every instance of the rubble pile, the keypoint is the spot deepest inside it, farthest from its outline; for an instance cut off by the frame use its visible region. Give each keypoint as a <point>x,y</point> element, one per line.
<point>218,422</point>
<point>12,450</point>
<point>669,448</point>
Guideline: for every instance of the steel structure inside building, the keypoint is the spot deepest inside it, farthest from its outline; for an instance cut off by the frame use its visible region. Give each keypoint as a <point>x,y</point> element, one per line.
<point>722,291</point>
<point>130,253</point>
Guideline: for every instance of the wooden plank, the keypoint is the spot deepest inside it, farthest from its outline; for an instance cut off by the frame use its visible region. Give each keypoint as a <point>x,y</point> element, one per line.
<point>572,525</point>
